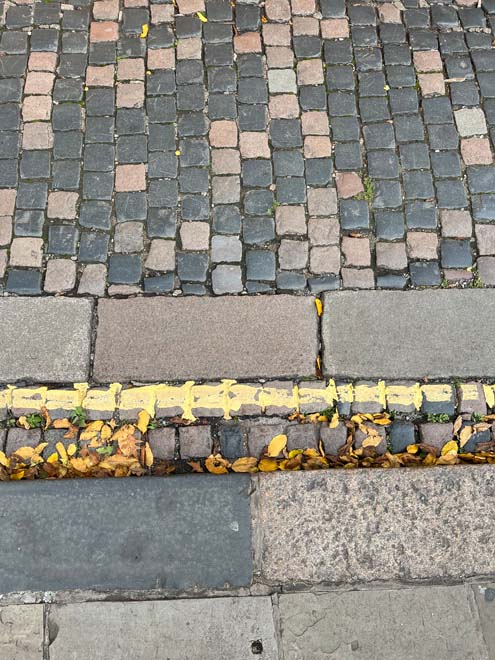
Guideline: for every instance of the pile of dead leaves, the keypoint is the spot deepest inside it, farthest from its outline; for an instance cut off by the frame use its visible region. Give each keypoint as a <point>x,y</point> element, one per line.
<point>102,450</point>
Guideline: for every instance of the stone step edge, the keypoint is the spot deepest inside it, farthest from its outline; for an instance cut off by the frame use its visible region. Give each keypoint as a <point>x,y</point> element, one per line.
<point>230,399</point>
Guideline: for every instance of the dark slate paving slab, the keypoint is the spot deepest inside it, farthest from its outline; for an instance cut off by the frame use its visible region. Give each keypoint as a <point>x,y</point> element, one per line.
<point>172,533</point>
<point>387,334</point>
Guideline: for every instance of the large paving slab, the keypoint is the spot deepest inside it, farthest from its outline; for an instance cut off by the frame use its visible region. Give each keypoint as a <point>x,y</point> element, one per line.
<point>174,533</point>
<point>360,526</point>
<point>388,334</point>
<point>21,632</point>
<point>484,594</point>
<point>45,340</point>
<point>203,629</point>
<point>184,338</point>
<point>417,623</point>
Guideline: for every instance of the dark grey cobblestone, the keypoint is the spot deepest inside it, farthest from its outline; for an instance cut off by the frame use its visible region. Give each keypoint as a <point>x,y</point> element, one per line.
<point>222,144</point>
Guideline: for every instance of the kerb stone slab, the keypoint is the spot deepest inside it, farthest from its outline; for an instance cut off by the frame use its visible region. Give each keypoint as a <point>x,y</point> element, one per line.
<point>189,338</point>
<point>45,339</point>
<point>171,533</point>
<point>199,629</point>
<point>382,624</point>
<point>369,525</point>
<point>21,632</point>
<point>412,334</point>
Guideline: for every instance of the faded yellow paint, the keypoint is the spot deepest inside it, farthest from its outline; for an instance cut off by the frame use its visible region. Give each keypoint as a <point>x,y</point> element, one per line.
<point>136,399</point>
<point>67,400</point>
<point>102,400</point>
<point>278,398</point>
<point>210,396</point>
<point>437,393</point>
<point>404,395</point>
<point>29,398</point>
<point>345,393</point>
<point>470,391</point>
<point>175,396</point>
<point>364,393</point>
<point>241,394</point>
<point>489,395</point>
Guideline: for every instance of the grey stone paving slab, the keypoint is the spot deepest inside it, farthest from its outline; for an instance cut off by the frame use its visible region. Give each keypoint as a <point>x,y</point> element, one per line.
<point>45,340</point>
<point>174,533</point>
<point>350,527</point>
<point>21,632</point>
<point>390,334</point>
<point>202,629</point>
<point>484,594</point>
<point>398,624</point>
<point>182,338</point>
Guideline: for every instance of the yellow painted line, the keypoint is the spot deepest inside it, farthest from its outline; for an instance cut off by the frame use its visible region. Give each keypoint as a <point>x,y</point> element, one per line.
<point>228,398</point>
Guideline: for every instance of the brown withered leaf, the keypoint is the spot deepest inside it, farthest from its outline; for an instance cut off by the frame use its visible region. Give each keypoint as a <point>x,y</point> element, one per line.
<point>457,424</point>
<point>46,416</point>
<point>195,465</point>
<point>216,464</point>
<point>245,464</point>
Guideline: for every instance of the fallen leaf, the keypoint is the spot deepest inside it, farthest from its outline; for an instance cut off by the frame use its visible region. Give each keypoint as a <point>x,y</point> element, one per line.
<point>412,449</point>
<point>277,445</point>
<point>25,453</point>
<point>465,435</point>
<point>267,465</point>
<point>71,449</point>
<point>245,464</point>
<point>80,464</point>
<point>62,453</point>
<point>450,448</point>
<point>457,424</point>
<point>128,445</point>
<point>106,433</point>
<point>22,422</point>
<point>148,455</point>
<point>195,465</point>
<point>216,464</point>
<point>46,416</point>
<point>319,306</point>
<point>201,17</point>
<point>62,423</point>
<point>334,422</point>
<point>145,30</point>
<point>143,421</point>
<point>4,460</point>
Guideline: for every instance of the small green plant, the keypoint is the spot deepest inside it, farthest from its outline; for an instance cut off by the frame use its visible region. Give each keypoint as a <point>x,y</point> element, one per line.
<point>368,193</point>
<point>11,422</point>
<point>476,282</point>
<point>152,424</point>
<point>444,284</point>
<point>328,412</point>
<point>436,418</point>
<point>477,417</point>
<point>79,417</point>
<point>34,421</point>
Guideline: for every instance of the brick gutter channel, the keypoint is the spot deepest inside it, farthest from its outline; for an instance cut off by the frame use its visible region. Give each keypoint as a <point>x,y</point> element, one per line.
<point>199,533</point>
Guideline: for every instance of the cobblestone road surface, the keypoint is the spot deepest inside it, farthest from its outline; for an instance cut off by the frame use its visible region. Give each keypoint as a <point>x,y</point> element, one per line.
<point>249,147</point>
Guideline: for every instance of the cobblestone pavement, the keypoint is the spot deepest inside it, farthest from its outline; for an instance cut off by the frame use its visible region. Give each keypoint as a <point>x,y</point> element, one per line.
<point>218,147</point>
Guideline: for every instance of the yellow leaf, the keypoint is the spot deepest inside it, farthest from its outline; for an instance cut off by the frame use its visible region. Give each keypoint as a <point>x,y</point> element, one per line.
<point>106,433</point>
<point>267,465</point>
<point>429,460</point>
<point>40,447</point>
<point>143,421</point>
<point>22,421</point>
<point>334,422</point>
<point>80,464</point>
<point>412,449</point>
<point>148,455</point>
<point>144,33</point>
<point>448,459</point>
<point>311,452</point>
<point>201,17</point>
<point>92,430</point>
<point>71,449</point>
<point>62,452</point>
<point>450,448</point>
<point>62,423</point>
<point>17,475</point>
<point>216,464</point>
<point>177,153</point>
<point>277,444</point>
<point>358,419</point>
<point>123,432</point>
<point>465,435</point>
<point>26,453</point>
<point>53,458</point>
<point>319,306</point>
<point>4,460</point>
<point>245,464</point>
<point>264,19</point>
<point>295,452</point>
<point>457,424</point>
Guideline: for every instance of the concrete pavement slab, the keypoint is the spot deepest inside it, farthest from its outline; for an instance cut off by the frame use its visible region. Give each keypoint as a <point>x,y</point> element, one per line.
<point>360,526</point>
<point>484,594</point>
<point>45,339</point>
<point>386,334</point>
<point>174,533</point>
<point>185,338</point>
<point>202,629</point>
<point>416,623</point>
<point>21,632</point>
